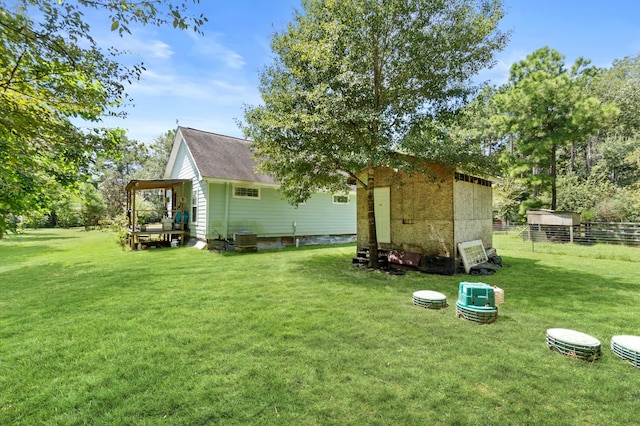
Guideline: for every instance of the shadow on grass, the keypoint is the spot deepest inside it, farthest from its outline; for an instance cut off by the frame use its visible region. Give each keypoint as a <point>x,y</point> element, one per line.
<point>523,278</point>
<point>40,236</point>
<point>562,296</point>
<point>19,257</point>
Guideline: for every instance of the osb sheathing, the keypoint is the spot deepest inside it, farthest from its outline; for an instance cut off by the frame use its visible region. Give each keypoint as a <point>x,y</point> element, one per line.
<point>473,213</point>
<point>430,212</point>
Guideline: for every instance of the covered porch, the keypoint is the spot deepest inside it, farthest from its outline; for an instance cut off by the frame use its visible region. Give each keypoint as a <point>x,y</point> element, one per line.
<point>168,218</point>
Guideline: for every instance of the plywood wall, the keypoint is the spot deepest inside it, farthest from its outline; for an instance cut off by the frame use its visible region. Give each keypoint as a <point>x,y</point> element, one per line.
<point>473,212</point>
<point>430,212</point>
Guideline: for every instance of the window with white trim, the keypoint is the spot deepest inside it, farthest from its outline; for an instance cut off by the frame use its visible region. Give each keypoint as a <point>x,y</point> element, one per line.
<point>246,192</point>
<point>340,199</point>
<point>194,207</point>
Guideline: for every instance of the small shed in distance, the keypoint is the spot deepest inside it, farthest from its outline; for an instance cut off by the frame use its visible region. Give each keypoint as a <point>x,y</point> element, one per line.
<point>551,225</point>
<point>553,217</point>
<point>422,215</point>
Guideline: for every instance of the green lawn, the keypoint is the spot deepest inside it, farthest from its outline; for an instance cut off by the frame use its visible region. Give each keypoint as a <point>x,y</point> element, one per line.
<point>90,334</point>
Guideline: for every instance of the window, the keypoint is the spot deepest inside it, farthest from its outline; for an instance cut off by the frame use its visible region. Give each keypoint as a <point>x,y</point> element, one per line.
<point>340,199</point>
<point>194,207</point>
<point>246,192</point>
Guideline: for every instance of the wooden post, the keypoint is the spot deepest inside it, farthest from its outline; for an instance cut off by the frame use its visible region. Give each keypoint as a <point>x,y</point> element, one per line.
<point>132,220</point>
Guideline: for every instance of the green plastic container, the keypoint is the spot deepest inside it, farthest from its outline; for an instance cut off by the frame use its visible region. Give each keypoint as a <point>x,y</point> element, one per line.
<point>476,294</point>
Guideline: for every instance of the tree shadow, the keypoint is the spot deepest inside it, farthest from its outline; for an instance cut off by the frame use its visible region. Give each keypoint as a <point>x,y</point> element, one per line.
<point>29,237</point>
<point>521,278</point>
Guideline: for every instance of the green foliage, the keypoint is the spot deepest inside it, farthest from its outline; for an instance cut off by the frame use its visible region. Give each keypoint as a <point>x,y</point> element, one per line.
<point>576,194</point>
<point>620,85</point>
<point>134,160</point>
<point>93,206</point>
<point>53,72</point>
<point>120,227</point>
<point>158,157</point>
<point>598,199</point>
<point>568,135</point>
<point>149,207</point>
<point>67,210</point>
<point>618,160</point>
<point>508,194</point>
<point>94,335</point>
<point>347,86</point>
<point>115,172</point>
<point>545,108</point>
<point>620,205</point>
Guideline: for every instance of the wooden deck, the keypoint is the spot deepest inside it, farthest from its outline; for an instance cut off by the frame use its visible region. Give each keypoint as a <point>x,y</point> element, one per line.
<point>137,236</point>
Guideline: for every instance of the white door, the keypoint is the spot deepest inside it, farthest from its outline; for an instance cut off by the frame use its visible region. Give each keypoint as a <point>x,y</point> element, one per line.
<point>382,202</point>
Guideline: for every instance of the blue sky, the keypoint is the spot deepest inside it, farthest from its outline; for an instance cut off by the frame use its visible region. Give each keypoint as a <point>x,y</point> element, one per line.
<point>204,81</point>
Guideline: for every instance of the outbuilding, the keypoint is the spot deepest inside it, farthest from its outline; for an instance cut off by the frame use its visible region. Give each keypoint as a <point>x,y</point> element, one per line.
<point>422,216</point>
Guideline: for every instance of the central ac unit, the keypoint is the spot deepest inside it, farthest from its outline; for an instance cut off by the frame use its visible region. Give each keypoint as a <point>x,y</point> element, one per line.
<point>245,239</point>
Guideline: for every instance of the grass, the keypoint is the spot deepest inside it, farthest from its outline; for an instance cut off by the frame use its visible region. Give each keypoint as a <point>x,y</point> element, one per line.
<point>93,335</point>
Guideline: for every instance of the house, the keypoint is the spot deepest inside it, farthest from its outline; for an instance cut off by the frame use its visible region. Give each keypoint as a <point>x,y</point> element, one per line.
<point>423,216</point>
<point>226,196</point>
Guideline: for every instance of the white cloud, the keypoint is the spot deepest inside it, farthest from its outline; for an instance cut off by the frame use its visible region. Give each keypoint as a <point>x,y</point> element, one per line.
<point>197,80</point>
<point>176,86</point>
<point>139,44</point>
<point>211,49</point>
<point>158,49</point>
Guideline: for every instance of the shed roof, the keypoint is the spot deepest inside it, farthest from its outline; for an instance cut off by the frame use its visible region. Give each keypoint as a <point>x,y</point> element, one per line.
<point>143,184</point>
<point>222,157</point>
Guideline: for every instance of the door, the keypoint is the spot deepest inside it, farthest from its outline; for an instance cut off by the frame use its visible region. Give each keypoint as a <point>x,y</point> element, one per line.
<point>382,202</point>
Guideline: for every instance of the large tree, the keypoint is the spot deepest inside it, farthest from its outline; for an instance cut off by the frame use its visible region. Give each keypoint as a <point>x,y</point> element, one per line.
<point>545,108</point>
<point>159,153</point>
<point>112,174</point>
<point>617,149</point>
<point>352,79</point>
<point>136,161</point>
<point>53,71</point>
<point>620,84</point>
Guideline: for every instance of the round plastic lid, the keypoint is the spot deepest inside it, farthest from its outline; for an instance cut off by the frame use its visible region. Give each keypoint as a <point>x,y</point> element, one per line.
<point>628,342</point>
<point>429,295</point>
<point>572,337</point>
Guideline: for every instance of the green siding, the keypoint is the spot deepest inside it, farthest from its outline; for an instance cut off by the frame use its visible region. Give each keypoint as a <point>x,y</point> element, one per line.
<point>270,216</point>
<point>215,198</point>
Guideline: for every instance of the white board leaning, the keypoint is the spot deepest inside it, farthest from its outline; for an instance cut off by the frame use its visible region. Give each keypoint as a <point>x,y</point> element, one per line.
<point>472,253</point>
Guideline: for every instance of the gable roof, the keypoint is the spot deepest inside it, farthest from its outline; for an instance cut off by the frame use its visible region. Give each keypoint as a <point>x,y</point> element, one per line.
<point>219,157</point>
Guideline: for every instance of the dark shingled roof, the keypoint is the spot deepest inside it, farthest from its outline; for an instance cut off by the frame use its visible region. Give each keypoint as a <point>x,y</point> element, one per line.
<point>222,157</point>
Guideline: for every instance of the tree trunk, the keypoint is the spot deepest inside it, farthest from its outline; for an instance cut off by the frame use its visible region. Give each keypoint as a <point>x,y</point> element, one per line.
<point>573,157</point>
<point>554,189</point>
<point>371,217</point>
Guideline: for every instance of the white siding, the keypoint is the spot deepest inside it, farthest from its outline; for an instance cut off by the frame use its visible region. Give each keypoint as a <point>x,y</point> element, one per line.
<point>271,216</point>
<point>185,168</point>
<point>219,213</point>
